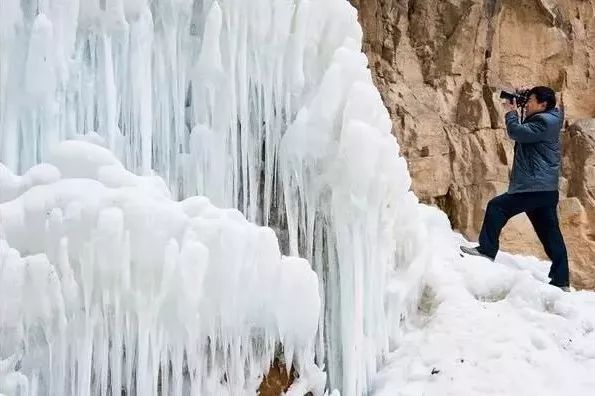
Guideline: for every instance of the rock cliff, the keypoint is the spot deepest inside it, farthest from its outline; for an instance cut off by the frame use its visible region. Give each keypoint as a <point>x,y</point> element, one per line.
<point>440,65</point>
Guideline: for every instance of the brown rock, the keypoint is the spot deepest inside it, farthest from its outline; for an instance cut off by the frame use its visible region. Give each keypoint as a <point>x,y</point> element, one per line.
<point>578,212</point>
<point>440,65</point>
<point>277,381</point>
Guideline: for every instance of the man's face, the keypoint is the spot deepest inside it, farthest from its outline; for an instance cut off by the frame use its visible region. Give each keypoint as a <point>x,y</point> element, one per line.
<point>533,106</point>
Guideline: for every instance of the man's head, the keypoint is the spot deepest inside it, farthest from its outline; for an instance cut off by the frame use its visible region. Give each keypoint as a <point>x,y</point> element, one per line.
<point>540,99</point>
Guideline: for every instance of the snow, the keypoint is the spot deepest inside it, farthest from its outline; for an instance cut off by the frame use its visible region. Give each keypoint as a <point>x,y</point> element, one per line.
<point>484,328</point>
<point>116,277</point>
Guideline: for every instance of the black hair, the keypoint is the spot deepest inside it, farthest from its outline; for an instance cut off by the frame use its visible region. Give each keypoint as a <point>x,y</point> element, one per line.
<point>544,94</point>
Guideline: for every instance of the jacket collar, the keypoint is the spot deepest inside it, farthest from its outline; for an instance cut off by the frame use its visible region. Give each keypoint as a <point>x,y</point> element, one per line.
<point>555,112</point>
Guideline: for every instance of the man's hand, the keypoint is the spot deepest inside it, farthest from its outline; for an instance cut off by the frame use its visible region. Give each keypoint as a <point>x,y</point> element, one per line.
<point>510,106</point>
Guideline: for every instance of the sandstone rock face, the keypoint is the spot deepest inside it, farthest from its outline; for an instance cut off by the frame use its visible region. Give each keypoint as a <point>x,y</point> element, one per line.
<point>440,65</point>
<point>578,212</point>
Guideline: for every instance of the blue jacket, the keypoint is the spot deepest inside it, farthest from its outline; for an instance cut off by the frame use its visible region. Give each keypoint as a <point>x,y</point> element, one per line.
<point>536,165</point>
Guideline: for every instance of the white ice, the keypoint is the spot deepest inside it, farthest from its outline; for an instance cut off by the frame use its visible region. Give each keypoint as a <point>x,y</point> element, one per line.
<point>105,282</point>
<point>265,106</point>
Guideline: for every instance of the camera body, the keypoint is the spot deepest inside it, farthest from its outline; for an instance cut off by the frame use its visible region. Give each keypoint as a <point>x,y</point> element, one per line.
<point>521,96</point>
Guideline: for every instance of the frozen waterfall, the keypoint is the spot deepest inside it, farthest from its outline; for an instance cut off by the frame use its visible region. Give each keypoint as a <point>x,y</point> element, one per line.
<point>262,106</point>
<point>108,284</point>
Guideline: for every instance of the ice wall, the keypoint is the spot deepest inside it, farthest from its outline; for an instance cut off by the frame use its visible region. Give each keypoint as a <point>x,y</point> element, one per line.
<point>106,284</point>
<point>266,106</point>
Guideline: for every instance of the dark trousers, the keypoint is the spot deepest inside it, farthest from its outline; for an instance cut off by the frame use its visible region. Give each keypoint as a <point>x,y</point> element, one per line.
<point>540,207</point>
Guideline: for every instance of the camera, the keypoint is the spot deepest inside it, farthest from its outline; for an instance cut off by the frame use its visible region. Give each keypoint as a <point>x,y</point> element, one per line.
<point>521,97</point>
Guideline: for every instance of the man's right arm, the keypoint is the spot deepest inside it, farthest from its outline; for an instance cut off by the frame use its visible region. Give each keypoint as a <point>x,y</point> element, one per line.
<point>529,132</point>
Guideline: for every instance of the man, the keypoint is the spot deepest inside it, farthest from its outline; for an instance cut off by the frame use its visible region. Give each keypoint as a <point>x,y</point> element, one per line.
<point>533,186</point>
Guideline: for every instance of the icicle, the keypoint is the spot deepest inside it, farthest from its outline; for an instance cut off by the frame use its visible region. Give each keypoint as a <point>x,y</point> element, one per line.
<point>140,292</point>
<point>264,106</point>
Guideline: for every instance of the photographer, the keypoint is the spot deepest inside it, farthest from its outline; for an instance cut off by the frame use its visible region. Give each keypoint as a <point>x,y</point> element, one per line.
<point>533,186</point>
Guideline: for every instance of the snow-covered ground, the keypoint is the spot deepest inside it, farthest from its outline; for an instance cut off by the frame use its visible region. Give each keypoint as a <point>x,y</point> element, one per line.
<point>486,328</point>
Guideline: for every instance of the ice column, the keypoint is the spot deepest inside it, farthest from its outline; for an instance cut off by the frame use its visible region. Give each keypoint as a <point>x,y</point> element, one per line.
<point>265,106</point>
<point>108,285</point>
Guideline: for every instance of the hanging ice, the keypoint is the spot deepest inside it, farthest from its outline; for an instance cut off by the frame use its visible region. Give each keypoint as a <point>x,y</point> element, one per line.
<point>108,284</point>
<point>265,106</point>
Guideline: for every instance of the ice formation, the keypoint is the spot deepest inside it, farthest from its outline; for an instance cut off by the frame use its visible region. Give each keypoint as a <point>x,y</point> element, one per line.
<point>149,152</point>
<point>108,284</point>
<point>266,106</point>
